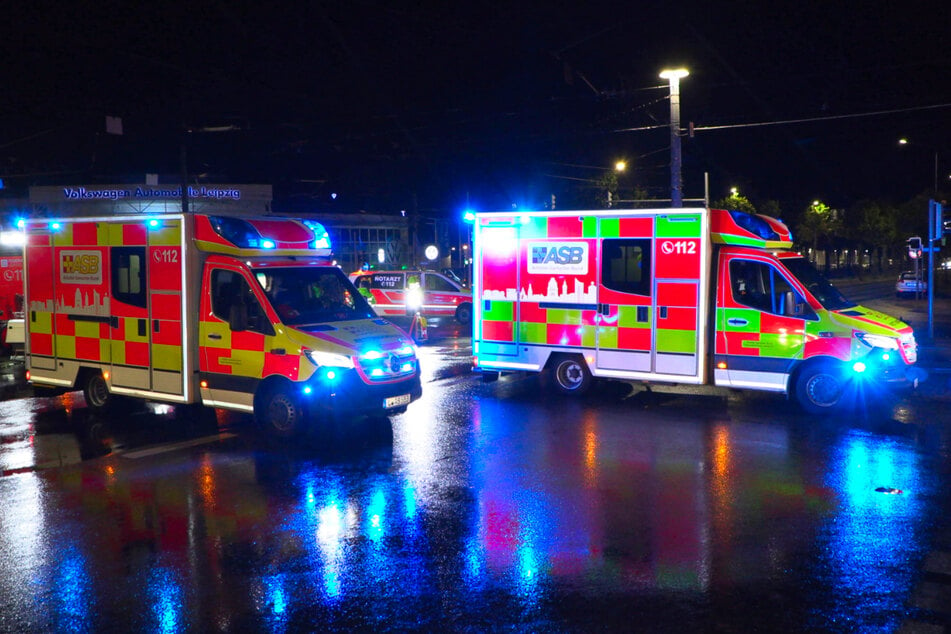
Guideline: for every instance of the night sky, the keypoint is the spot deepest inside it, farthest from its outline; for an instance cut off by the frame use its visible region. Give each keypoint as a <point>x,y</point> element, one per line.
<point>426,105</point>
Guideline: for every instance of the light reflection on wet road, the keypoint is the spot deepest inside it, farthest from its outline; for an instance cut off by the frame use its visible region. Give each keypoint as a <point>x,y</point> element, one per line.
<point>489,507</point>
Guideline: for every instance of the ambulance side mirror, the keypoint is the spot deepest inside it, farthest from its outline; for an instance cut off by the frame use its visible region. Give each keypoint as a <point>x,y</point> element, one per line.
<point>789,304</point>
<point>795,306</point>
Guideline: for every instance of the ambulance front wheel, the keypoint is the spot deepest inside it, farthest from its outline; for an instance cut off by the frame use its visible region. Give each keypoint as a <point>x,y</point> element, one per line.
<point>820,388</point>
<point>96,392</point>
<point>280,412</point>
<point>570,374</point>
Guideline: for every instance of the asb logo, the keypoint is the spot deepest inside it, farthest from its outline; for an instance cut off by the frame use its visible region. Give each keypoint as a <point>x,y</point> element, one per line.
<point>80,267</point>
<point>564,258</point>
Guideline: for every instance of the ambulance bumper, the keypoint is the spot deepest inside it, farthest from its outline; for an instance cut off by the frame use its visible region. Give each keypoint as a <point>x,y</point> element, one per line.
<point>350,395</point>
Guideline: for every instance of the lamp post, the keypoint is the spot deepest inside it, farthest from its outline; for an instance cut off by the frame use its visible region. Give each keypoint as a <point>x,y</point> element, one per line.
<point>676,184</point>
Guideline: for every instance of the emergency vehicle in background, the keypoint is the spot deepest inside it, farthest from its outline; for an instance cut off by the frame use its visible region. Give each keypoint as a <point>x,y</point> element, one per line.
<point>11,296</point>
<point>691,296</point>
<point>429,293</point>
<point>239,313</point>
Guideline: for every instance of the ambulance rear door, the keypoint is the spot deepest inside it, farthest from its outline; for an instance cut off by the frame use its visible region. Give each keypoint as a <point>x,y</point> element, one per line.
<point>495,294</point>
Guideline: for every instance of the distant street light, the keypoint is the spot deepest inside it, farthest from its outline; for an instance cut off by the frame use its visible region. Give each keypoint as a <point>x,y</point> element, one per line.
<point>673,76</point>
<point>620,166</point>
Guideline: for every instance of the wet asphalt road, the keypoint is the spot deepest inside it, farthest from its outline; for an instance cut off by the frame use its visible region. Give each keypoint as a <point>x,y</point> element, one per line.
<point>486,507</point>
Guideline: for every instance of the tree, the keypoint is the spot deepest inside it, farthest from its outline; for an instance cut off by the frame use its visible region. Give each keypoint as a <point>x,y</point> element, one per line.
<point>873,225</point>
<point>735,202</point>
<point>819,224</point>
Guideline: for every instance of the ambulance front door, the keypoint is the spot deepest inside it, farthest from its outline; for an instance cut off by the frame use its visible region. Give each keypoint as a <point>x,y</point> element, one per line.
<point>761,322</point>
<point>232,350</point>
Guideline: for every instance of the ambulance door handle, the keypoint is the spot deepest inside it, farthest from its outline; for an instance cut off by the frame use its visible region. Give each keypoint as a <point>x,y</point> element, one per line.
<point>736,321</point>
<point>142,323</point>
<point>214,335</point>
<point>604,309</point>
<point>155,325</point>
<point>278,351</point>
<point>113,322</point>
<point>663,312</point>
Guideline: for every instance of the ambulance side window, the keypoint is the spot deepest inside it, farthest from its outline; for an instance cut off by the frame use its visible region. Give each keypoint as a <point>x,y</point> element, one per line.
<point>438,283</point>
<point>626,265</point>
<point>128,275</point>
<point>230,291</point>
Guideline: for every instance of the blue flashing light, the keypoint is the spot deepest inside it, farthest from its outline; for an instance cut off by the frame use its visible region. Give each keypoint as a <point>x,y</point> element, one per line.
<point>308,389</point>
<point>321,237</point>
<point>468,216</point>
<point>268,244</point>
<point>858,367</point>
<point>331,375</point>
<point>55,226</point>
<point>152,223</point>
<point>21,223</point>
<point>376,372</point>
<point>754,224</point>
<point>372,355</point>
<point>323,242</point>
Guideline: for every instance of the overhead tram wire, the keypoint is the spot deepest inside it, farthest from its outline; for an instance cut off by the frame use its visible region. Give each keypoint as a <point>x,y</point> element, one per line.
<point>857,115</point>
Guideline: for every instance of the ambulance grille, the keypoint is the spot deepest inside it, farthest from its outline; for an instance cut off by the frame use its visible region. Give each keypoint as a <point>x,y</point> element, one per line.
<point>388,366</point>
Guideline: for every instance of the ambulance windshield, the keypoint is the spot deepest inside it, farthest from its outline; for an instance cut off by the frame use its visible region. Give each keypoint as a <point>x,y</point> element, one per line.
<point>312,295</point>
<point>816,283</point>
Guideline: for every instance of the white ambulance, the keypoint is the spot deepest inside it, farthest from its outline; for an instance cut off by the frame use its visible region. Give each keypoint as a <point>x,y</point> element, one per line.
<point>239,313</point>
<point>693,296</point>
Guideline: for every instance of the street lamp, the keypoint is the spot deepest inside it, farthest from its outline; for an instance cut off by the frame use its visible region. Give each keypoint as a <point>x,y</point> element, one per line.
<point>673,77</point>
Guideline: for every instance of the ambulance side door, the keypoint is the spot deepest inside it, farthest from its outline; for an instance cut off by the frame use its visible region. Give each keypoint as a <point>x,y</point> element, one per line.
<point>440,296</point>
<point>233,332</point>
<point>625,303</point>
<point>165,257</point>
<point>760,323</point>
<point>679,275</point>
<point>129,312</point>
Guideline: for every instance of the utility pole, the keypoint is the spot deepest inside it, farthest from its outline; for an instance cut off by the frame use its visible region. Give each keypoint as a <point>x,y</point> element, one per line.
<point>676,182</point>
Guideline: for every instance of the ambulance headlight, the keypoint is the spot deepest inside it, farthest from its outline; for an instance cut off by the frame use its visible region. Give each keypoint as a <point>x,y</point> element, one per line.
<point>329,359</point>
<point>877,341</point>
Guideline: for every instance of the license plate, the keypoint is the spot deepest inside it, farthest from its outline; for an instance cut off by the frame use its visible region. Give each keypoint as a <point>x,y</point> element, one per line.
<point>396,401</point>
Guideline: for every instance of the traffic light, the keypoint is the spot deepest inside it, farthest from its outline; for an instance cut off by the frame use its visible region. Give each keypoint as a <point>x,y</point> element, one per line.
<point>914,247</point>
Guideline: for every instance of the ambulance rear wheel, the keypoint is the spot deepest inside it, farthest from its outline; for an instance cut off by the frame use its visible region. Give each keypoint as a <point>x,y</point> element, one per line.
<point>464,314</point>
<point>819,388</point>
<point>280,413</point>
<point>570,375</point>
<point>96,392</point>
